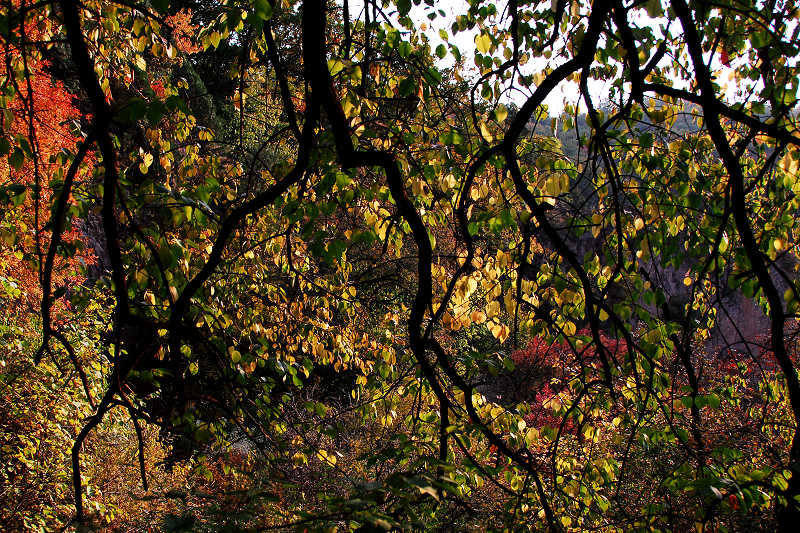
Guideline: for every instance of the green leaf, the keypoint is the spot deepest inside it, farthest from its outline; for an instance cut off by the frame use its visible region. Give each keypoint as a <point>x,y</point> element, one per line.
<point>403,7</point>
<point>176,102</point>
<point>653,8</point>
<point>335,250</point>
<point>408,87</point>
<point>133,110</point>
<point>156,111</point>
<point>160,5</point>
<point>343,180</point>
<point>263,9</point>
<point>452,137</point>
<point>404,49</point>
<point>17,193</point>
<point>16,159</point>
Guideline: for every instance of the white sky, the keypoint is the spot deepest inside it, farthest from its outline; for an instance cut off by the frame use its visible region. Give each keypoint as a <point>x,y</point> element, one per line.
<point>566,91</point>
<point>465,42</point>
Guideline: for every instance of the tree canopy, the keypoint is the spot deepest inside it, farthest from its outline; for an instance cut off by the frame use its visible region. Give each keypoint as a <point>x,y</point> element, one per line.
<point>337,266</point>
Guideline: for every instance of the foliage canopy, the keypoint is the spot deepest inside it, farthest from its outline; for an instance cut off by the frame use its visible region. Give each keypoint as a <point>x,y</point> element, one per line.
<point>398,294</point>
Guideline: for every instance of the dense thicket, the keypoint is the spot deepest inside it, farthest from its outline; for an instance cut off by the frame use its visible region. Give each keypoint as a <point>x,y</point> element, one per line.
<point>312,265</point>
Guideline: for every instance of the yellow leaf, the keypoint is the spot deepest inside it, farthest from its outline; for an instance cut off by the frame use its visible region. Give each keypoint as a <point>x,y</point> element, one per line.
<point>478,317</point>
<point>789,164</point>
<point>485,132</point>
<point>532,436</point>
<point>214,39</point>
<point>299,459</point>
<point>553,403</point>
<point>147,160</point>
<point>483,43</point>
<point>500,332</point>
<point>510,302</point>
<point>500,113</point>
<point>447,320</point>
<point>324,456</point>
<point>335,66</point>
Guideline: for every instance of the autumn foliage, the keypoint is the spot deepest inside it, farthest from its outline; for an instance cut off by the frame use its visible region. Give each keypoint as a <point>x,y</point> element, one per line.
<point>321,266</point>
